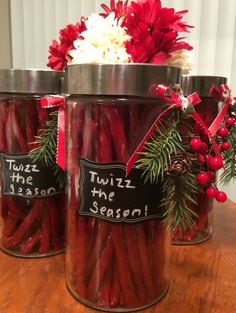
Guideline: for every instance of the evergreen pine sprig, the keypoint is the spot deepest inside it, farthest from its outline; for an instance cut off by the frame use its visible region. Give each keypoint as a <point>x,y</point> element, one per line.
<point>156,157</point>
<point>168,145</point>
<point>229,156</point>
<point>46,142</point>
<point>46,147</point>
<point>179,200</point>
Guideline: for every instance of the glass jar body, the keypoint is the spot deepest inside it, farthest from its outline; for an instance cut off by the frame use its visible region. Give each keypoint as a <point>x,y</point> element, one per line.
<point>112,263</point>
<point>32,212</point>
<point>203,226</point>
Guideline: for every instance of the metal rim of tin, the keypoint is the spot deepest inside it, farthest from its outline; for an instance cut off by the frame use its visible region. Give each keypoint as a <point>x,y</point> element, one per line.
<point>30,81</point>
<point>130,79</point>
<point>201,84</point>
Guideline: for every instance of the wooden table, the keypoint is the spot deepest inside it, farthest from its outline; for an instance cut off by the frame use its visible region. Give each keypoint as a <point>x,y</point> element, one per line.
<point>203,277</point>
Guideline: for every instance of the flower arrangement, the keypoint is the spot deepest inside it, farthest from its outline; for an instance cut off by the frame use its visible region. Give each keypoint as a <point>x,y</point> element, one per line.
<point>140,32</point>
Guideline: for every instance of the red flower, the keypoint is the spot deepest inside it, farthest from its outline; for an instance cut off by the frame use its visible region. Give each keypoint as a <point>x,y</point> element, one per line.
<point>58,52</point>
<point>154,31</point>
<point>143,12</point>
<point>120,8</point>
<point>70,33</point>
<point>169,19</point>
<point>56,59</point>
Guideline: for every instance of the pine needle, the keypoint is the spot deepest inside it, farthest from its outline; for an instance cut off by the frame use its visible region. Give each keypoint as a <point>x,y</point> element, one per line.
<point>179,191</point>
<point>46,148</point>
<point>179,200</point>
<point>156,157</point>
<point>46,142</point>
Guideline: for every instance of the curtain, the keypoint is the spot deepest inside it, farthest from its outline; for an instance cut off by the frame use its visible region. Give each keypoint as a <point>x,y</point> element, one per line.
<point>34,23</point>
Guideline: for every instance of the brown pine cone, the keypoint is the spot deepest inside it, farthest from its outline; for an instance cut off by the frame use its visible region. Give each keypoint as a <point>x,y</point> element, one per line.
<point>180,165</point>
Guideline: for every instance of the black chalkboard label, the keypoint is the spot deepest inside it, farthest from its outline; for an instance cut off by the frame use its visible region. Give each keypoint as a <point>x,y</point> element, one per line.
<point>106,193</point>
<point>24,178</point>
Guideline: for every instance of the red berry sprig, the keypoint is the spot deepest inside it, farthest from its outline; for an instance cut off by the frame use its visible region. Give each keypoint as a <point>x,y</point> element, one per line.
<point>195,144</point>
<point>221,196</point>
<point>211,192</point>
<point>201,159</point>
<point>204,147</point>
<point>215,163</point>
<point>229,121</point>
<point>212,176</point>
<point>223,132</point>
<point>225,146</point>
<point>202,178</point>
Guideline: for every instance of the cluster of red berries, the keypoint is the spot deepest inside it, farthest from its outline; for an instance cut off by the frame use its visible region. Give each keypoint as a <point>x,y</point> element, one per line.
<point>224,131</point>
<point>214,163</point>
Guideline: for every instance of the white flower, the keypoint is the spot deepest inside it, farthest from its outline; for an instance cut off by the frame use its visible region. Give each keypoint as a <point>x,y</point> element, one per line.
<point>180,58</point>
<point>104,42</point>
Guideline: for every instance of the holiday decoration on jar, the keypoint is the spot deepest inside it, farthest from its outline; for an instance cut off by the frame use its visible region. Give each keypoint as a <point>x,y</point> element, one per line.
<point>139,155</point>
<point>189,183</point>
<point>32,200</point>
<point>199,145</point>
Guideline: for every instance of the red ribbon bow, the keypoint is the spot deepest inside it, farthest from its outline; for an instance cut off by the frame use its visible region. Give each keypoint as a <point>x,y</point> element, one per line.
<point>175,100</point>
<point>221,92</point>
<point>52,102</point>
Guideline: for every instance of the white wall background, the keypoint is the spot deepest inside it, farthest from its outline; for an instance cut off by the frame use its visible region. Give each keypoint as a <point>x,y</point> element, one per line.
<point>35,23</point>
<point>5,47</point>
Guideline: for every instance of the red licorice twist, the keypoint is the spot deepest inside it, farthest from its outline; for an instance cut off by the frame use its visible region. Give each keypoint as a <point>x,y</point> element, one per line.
<point>30,226</point>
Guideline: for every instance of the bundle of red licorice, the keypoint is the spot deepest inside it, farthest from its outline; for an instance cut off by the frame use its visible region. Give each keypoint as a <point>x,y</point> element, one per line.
<point>111,265</point>
<point>32,226</point>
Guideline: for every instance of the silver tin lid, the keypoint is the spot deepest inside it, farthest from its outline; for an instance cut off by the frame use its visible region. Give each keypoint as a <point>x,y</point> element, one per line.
<point>32,81</point>
<point>201,84</point>
<point>118,79</point>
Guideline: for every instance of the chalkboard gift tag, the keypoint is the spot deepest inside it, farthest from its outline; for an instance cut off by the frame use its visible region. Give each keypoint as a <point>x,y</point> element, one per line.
<point>107,193</point>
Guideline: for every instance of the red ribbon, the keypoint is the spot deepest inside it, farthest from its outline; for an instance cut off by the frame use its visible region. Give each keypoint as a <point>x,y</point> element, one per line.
<point>140,147</point>
<point>53,102</point>
<point>178,101</point>
<point>221,93</point>
<point>197,118</point>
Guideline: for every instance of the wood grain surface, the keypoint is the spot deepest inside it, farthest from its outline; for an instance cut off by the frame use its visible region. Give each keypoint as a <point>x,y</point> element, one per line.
<point>203,277</point>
